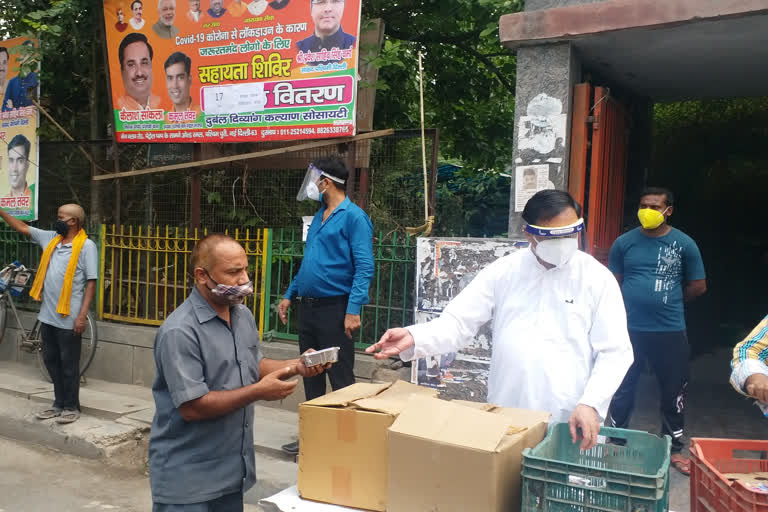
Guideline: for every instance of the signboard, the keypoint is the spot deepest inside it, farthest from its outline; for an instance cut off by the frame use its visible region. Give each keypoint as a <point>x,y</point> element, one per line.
<point>232,70</point>
<point>170,154</point>
<point>444,267</point>
<point>19,152</point>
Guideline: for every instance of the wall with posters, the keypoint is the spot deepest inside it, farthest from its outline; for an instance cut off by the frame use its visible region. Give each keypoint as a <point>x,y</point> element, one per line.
<point>444,267</point>
<point>19,176</point>
<point>232,70</point>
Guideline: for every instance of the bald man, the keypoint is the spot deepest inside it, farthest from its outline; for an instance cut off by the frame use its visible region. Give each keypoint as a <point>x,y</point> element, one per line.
<point>210,371</point>
<point>61,329</point>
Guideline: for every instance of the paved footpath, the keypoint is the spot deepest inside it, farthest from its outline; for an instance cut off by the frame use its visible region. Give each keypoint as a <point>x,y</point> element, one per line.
<point>37,479</point>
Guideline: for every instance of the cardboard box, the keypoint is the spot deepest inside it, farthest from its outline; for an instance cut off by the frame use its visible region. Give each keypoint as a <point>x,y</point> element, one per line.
<point>343,443</point>
<point>453,456</point>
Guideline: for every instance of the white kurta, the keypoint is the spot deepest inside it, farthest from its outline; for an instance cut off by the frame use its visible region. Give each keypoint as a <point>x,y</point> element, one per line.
<point>559,336</point>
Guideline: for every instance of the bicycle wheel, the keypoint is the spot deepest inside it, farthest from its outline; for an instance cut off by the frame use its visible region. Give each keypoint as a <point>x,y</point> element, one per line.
<point>88,340</point>
<point>33,340</point>
<point>3,315</point>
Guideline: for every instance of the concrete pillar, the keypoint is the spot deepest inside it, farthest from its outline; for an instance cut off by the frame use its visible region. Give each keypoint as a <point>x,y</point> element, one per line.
<point>545,78</point>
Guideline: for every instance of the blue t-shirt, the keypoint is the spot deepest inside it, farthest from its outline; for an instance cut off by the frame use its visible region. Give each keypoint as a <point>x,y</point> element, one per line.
<point>655,271</point>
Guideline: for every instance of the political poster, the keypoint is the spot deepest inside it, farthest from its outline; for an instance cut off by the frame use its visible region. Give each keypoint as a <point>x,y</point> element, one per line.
<point>19,118</point>
<point>232,70</point>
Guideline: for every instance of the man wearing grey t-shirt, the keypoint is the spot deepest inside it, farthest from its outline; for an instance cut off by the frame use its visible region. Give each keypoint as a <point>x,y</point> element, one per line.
<point>63,318</point>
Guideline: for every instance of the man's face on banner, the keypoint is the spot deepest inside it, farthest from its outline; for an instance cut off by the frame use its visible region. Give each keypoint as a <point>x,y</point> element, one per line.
<point>137,71</point>
<point>178,83</point>
<point>167,12</point>
<point>216,5</point>
<point>136,8</point>
<point>327,16</point>
<point>194,5</point>
<point>18,164</point>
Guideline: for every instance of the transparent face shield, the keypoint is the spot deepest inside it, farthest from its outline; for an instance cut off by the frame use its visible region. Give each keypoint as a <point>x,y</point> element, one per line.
<point>556,245</point>
<point>309,187</point>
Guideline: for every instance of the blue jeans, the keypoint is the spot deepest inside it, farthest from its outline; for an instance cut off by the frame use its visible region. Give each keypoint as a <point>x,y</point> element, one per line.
<point>227,503</point>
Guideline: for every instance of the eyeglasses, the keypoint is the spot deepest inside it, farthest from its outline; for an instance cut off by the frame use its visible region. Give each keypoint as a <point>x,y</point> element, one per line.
<point>326,2</point>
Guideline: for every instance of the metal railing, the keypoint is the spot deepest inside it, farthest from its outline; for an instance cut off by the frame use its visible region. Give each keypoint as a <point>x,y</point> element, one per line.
<point>145,272</point>
<point>391,292</point>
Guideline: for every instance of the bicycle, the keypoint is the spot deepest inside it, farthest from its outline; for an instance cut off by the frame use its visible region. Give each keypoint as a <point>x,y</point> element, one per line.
<point>15,279</point>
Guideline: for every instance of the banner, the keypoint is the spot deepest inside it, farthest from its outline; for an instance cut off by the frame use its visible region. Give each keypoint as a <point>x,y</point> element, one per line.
<point>19,153</point>
<point>232,70</point>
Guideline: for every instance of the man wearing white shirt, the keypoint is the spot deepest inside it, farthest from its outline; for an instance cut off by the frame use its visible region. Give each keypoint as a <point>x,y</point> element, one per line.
<point>559,325</point>
<point>136,21</point>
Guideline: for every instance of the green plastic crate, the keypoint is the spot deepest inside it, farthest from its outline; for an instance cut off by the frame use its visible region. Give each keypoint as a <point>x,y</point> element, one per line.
<point>558,477</point>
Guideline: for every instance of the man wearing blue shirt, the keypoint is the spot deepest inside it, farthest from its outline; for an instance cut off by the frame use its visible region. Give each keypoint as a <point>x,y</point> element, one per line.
<point>18,87</point>
<point>332,283</point>
<point>659,268</point>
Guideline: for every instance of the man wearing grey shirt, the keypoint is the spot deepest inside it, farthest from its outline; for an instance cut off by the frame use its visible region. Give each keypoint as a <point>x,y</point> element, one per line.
<point>209,372</point>
<point>63,319</point>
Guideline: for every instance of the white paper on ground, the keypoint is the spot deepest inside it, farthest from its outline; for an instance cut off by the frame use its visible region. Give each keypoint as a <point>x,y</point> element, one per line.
<point>290,501</point>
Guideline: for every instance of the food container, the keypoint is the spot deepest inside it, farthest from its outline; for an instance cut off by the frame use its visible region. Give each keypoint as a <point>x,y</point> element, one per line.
<point>325,356</point>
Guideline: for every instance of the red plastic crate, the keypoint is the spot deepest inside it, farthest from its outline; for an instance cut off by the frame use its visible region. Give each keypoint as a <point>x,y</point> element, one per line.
<point>711,491</point>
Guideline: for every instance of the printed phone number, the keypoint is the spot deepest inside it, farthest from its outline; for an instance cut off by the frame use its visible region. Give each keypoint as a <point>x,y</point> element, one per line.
<point>312,131</point>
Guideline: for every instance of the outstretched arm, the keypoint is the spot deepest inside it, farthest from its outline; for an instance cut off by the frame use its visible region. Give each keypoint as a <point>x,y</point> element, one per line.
<point>15,223</point>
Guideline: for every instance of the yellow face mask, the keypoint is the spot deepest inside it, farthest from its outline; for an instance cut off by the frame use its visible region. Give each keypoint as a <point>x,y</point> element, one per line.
<point>651,219</point>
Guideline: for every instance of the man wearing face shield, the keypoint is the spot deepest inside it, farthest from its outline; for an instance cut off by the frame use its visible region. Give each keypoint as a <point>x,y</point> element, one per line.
<point>560,341</point>
<point>209,372</point>
<point>331,286</point>
<point>65,283</point>
<point>659,268</point>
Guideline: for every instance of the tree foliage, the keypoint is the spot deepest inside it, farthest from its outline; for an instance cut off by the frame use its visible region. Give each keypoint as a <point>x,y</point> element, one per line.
<point>468,77</point>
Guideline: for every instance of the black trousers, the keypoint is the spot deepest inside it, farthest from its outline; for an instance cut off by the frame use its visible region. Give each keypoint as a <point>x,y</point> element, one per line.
<point>321,325</point>
<point>61,355</point>
<point>667,353</point>
<point>227,503</point>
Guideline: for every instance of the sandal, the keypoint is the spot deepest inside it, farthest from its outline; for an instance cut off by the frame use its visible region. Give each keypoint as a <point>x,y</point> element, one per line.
<point>48,413</point>
<point>68,417</point>
<point>681,463</point>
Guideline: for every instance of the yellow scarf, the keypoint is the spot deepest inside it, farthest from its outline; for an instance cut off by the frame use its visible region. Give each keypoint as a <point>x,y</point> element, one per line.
<point>69,276</point>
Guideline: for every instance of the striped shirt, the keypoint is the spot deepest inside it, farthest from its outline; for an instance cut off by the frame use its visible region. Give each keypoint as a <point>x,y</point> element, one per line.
<point>749,356</point>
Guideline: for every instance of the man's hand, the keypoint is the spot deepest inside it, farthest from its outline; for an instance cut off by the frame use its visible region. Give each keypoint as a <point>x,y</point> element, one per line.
<point>584,418</point>
<point>351,324</point>
<point>757,387</point>
<point>310,371</point>
<point>392,343</point>
<point>80,322</point>
<point>282,310</point>
<point>273,387</point>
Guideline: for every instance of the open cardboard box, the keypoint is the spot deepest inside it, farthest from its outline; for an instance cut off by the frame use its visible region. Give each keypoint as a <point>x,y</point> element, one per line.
<point>343,443</point>
<point>459,456</point>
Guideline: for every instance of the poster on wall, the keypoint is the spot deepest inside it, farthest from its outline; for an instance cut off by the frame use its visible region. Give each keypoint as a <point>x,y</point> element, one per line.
<point>232,70</point>
<point>444,267</point>
<point>530,179</point>
<point>19,118</point>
